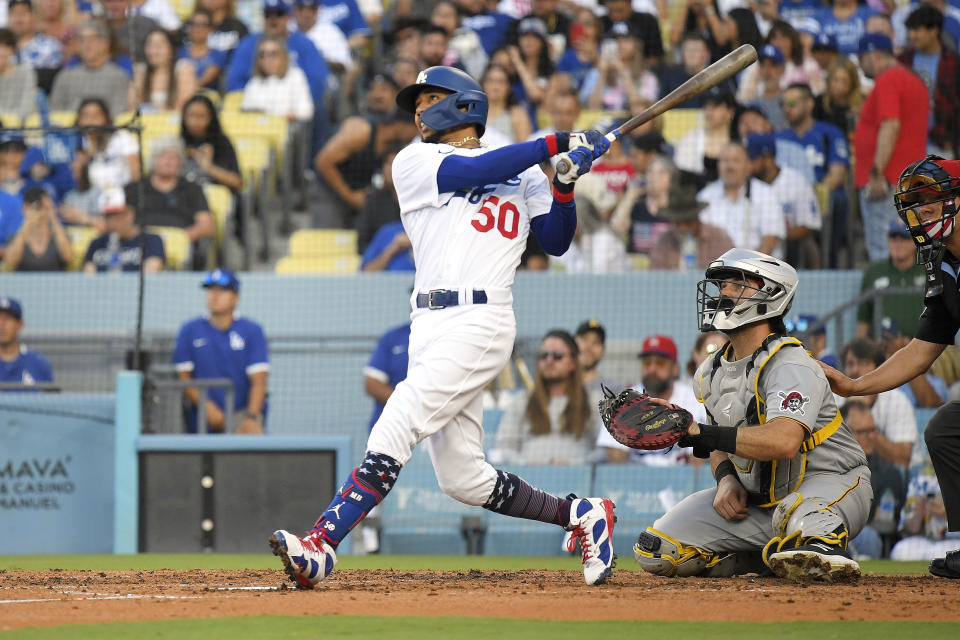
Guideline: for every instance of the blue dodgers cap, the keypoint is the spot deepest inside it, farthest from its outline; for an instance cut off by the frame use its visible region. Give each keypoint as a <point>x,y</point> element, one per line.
<point>802,323</point>
<point>306,3</point>
<point>874,42</point>
<point>222,278</point>
<point>276,5</point>
<point>770,52</point>
<point>761,144</point>
<point>897,228</point>
<point>825,41</point>
<point>11,306</point>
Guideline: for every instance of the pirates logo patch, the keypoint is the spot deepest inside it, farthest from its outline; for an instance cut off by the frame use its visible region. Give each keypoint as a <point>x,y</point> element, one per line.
<point>793,402</point>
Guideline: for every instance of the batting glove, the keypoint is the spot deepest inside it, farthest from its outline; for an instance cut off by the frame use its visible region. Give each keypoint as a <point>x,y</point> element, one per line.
<point>595,141</point>
<point>578,162</point>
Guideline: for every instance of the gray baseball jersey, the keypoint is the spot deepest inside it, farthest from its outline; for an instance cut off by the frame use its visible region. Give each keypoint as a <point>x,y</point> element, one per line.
<point>781,379</point>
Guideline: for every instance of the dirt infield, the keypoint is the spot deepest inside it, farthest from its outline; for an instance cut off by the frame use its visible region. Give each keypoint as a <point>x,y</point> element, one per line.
<point>46,598</point>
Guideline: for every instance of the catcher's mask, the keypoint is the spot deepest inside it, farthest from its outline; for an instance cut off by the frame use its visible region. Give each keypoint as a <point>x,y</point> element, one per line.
<point>771,298</point>
<point>926,202</point>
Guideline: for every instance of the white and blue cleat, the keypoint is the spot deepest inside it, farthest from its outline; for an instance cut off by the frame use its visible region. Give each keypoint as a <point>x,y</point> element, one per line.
<point>591,523</point>
<point>306,560</point>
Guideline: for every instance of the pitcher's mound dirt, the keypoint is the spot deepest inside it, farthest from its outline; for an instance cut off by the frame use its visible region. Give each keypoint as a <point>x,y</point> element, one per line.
<point>45,598</point>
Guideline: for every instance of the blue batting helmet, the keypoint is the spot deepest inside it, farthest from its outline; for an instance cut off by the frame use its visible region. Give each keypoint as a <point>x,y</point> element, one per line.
<point>466,93</point>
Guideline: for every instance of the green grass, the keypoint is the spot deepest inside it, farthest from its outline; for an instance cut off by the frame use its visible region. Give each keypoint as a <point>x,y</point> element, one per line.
<point>289,627</point>
<point>148,561</point>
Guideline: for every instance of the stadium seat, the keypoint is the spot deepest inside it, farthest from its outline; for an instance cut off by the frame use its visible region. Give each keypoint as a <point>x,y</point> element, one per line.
<point>253,156</point>
<point>677,122</point>
<point>642,494</point>
<point>176,244</point>
<point>310,243</point>
<point>184,8</point>
<point>334,264</point>
<point>80,239</point>
<point>57,119</point>
<point>240,124</point>
<point>517,537</point>
<point>159,124</point>
<point>9,120</point>
<point>418,517</point>
<point>232,102</point>
<point>590,117</point>
<point>220,200</point>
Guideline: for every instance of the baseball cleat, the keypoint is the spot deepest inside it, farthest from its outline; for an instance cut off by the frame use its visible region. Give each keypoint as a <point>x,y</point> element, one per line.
<point>306,560</point>
<point>591,523</point>
<point>815,561</point>
<point>947,566</point>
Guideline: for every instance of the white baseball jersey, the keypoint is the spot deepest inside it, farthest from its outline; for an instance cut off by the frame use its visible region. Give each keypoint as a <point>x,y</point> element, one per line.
<point>798,199</point>
<point>469,238</point>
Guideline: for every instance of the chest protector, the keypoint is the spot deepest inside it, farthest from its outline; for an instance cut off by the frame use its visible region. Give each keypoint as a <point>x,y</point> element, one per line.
<point>740,402</point>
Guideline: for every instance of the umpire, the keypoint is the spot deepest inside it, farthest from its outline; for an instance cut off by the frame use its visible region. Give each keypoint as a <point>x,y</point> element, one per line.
<point>927,197</point>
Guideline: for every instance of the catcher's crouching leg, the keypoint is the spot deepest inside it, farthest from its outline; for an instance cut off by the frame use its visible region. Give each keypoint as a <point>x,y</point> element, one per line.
<point>661,555</point>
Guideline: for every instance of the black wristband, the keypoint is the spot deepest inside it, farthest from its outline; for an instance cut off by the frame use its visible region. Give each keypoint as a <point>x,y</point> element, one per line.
<point>724,469</point>
<point>719,438</point>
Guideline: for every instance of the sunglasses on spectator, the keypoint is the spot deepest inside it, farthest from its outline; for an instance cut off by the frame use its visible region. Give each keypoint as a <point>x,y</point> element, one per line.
<point>554,355</point>
<point>268,53</point>
<point>789,103</point>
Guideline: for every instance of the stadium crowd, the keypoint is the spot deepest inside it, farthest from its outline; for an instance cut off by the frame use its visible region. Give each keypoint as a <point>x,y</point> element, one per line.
<point>233,101</point>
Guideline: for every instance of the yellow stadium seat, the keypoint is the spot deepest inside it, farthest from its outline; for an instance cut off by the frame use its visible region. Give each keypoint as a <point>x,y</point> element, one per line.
<point>253,156</point>
<point>336,264</point>
<point>161,123</point>
<point>315,243</point>
<point>9,120</point>
<point>57,119</point>
<point>590,117</point>
<point>232,102</point>
<point>80,239</point>
<point>184,8</point>
<point>240,124</point>
<point>220,200</point>
<point>677,122</point>
<point>176,244</point>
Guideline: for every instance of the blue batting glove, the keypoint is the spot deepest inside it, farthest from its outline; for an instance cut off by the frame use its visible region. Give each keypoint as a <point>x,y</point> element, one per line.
<point>578,162</point>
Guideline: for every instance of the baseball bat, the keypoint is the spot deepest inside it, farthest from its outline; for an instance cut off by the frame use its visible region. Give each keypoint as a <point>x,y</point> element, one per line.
<point>724,68</point>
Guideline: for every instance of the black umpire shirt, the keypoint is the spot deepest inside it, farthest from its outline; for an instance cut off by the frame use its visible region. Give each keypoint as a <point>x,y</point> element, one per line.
<point>940,319</point>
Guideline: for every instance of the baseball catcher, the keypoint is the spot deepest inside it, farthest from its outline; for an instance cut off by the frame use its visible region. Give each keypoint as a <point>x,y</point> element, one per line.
<point>792,483</point>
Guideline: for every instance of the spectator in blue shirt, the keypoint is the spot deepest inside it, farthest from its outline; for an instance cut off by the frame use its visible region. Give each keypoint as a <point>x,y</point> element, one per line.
<point>119,248</point>
<point>386,368</point>
<point>490,26</point>
<point>207,61</point>
<point>11,218</point>
<point>389,250</point>
<point>26,167</point>
<point>346,15</point>
<point>846,20</point>
<point>224,345</point>
<point>18,364</point>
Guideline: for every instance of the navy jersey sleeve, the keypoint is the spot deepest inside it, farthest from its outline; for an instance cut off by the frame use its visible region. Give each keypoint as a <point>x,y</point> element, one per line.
<point>153,247</point>
<point>183,350</point>
<point>95,245</point>
<point>839,153</point>
<point>257,356</point>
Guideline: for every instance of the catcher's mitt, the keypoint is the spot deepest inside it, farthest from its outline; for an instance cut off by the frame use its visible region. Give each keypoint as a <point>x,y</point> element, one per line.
<point>637,422</point>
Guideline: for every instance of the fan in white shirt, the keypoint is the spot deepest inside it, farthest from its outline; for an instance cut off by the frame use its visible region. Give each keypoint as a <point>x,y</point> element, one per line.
<point>277,87</point>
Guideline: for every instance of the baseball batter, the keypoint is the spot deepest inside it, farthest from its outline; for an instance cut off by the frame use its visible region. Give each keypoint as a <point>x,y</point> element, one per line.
<point>927,200</point>
<point>467,210</point>
<point>792,483</point>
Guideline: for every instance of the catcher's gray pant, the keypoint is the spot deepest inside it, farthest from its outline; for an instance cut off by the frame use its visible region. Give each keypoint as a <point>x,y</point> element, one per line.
<point>694,521</point>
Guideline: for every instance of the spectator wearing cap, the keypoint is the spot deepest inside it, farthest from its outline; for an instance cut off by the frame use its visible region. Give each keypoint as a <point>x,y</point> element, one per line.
<point>119,248</point>
<point>19,364</point>
<point>928,390</point>
<point>801,211</point>
<point>622,78</point>
<point>940,70</point>
<point>891,133</point>
<point>170,200</point>
<point>207,61</point>
<point>747,208</point>
<point>641,23</point>
<point>23,167</point>
<point>898,270</point>
<point>766,90</point>
<point>789,153</point>
<point>591,339</point>
<point>891,410</point>
<point>845,20</point>
<point>699,149</point>
<point>816,340</point>
<point>348,162</point>
<point>660,378</point>
<point>824,50</point>
<point>694,58</point>
<point>41,244</point>
<point>96,77</point>
<point>327,37</point>
<point>224,345</point>
<point>18,82</point>
<point>688,243</point>
<point>37,50</point>
<point>301,54</point>
<point>826,147</point>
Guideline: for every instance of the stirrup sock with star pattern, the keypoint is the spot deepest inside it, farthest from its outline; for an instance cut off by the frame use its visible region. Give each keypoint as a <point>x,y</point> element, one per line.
<point>364,489</point>
<point>512,496</point>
